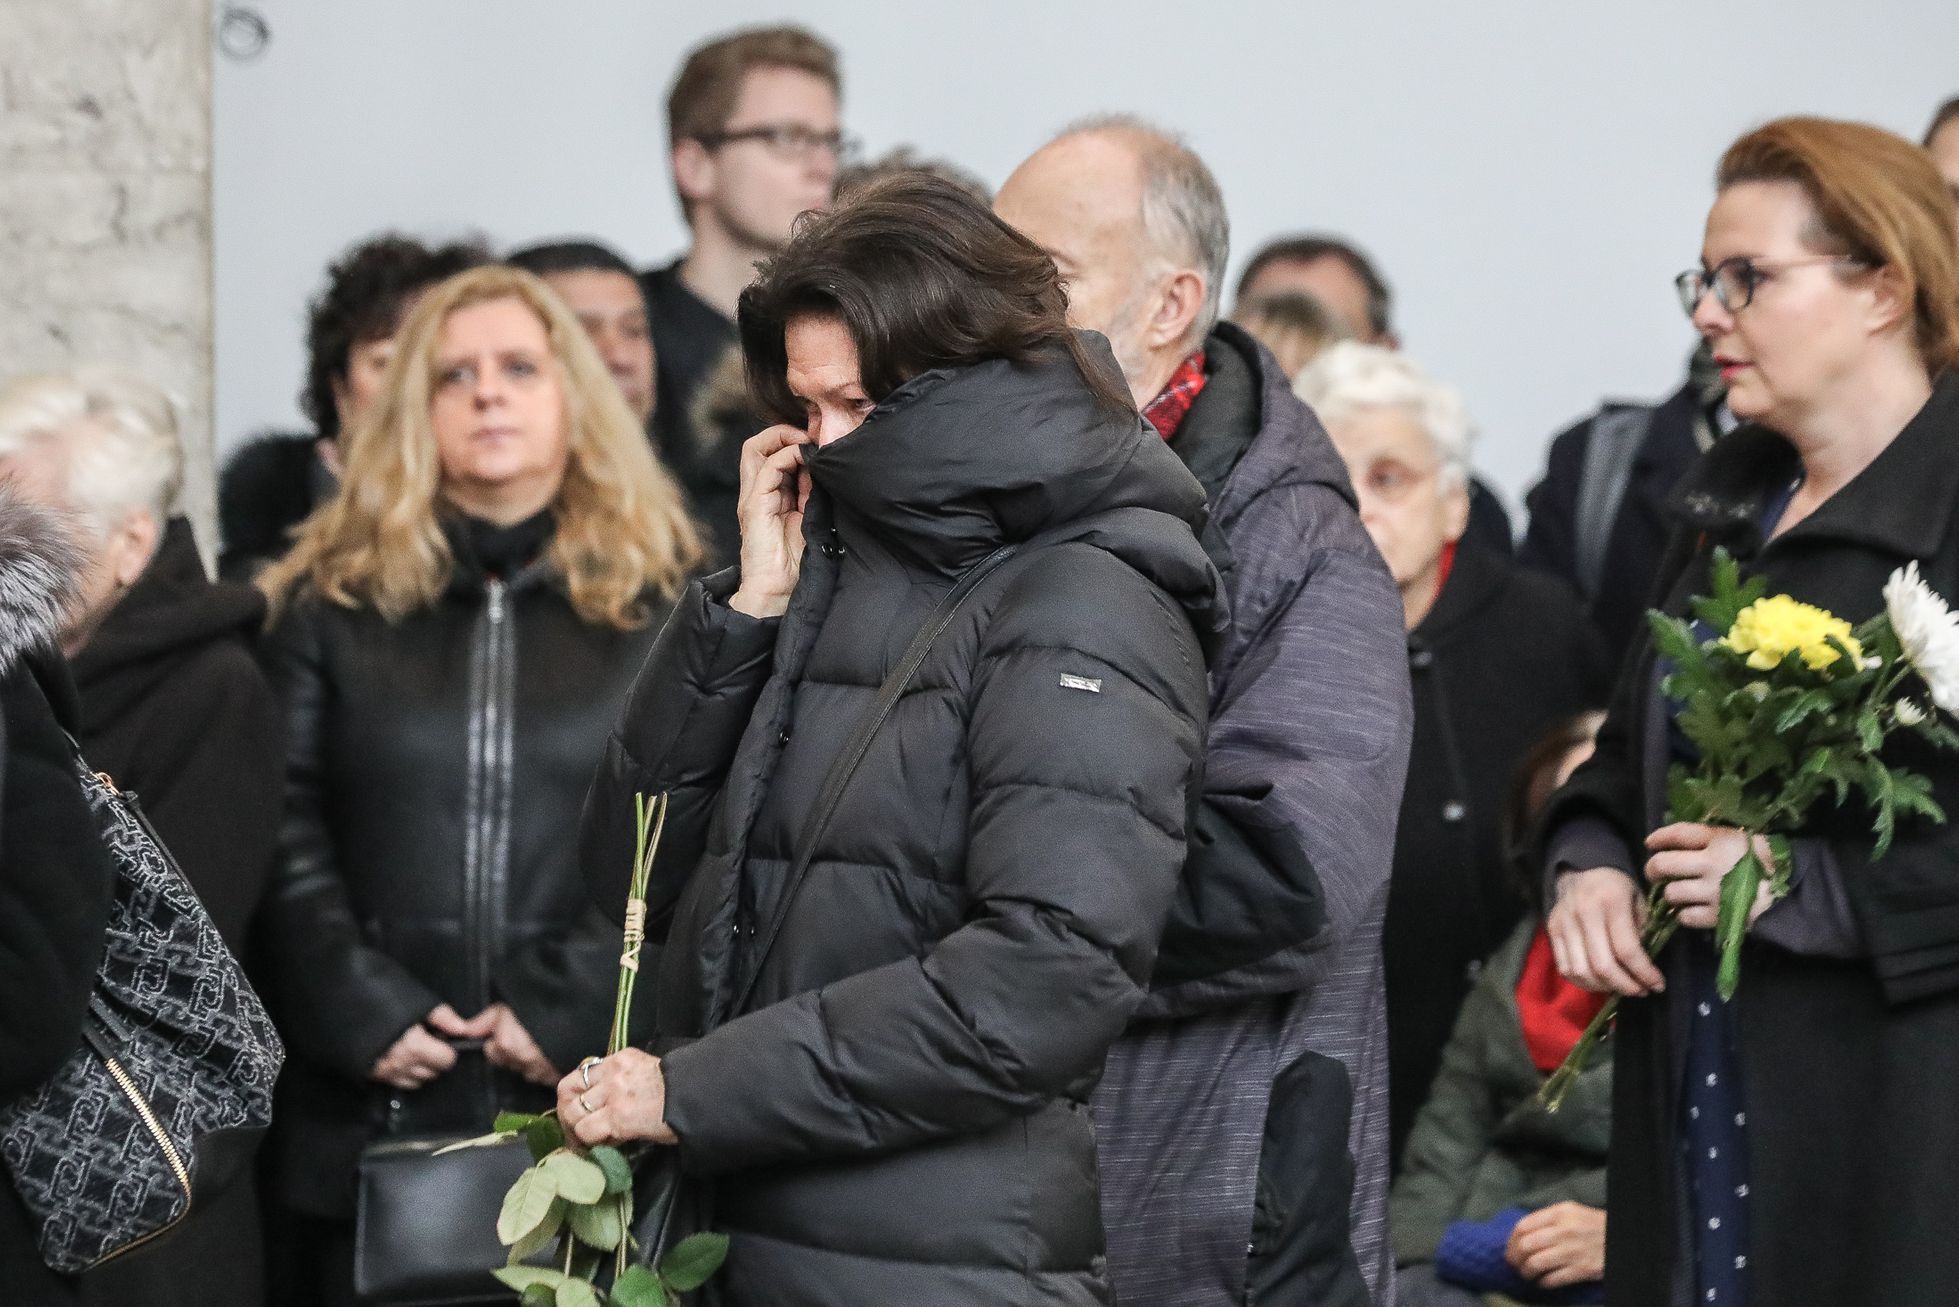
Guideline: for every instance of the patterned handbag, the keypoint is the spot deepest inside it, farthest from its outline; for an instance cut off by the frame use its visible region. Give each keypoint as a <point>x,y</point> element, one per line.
<point>164,1102</point>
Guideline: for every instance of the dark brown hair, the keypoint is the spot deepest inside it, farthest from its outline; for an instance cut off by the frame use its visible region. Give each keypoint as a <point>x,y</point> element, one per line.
<point>704,93</point>
<point>1532,783</point>
<point>923,276</point>
<point>1313,248</point>
<point>1879,200</point>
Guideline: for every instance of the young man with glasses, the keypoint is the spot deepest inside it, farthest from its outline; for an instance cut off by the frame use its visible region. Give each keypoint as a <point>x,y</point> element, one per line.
<point>752,121</point>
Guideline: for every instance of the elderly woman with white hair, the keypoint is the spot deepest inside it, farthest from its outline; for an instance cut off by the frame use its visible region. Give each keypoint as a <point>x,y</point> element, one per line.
<point>173,707</point>
<point>1495,653</point>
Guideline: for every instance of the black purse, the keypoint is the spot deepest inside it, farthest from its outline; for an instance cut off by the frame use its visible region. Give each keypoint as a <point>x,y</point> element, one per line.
<point>426,1233</point>
<point>164,1103</point>
<point>668,1206</point>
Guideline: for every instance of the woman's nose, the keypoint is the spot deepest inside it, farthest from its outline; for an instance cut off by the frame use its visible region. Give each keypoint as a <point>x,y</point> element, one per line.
<point>489,387</point>
<point>1711,317</point>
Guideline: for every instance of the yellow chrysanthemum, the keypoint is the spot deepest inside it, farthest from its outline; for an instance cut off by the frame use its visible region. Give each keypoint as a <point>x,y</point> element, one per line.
<point>1769,630</point>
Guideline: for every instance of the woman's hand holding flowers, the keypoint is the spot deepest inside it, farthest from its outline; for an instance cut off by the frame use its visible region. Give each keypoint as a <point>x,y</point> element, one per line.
<point>1594,929</point>
<point>1690,858</point>
<point>620,1099</point>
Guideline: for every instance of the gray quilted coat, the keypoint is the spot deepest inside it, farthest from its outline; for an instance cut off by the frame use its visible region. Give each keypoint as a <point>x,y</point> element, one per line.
<point>898,1115</point>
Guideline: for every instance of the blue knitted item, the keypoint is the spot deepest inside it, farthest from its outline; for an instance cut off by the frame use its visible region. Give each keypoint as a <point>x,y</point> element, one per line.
<point>1471,1255</point>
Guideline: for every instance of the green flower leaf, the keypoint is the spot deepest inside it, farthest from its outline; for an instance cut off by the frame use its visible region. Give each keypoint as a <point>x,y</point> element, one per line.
<point>640,1287</point>
<point>692,1260</point>
<point>618,1171</point>
<point>526,1206</point>
<point>545,1137</point>
<point>513,1122</point>
<point>1807,704</point>
<point>1738,889</point>
<point>540,1238</point>
<point>521,1278</point>
<point>577,1293</point>
<point>539,1295</point>
<point>598,1225</point>
<point>578,1178</point>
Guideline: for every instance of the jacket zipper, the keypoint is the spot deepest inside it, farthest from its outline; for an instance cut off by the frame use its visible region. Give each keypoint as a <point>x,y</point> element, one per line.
<point>489,809</point>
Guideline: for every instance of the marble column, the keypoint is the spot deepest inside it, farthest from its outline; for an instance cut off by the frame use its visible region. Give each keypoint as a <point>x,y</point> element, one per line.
<point>105,200</point>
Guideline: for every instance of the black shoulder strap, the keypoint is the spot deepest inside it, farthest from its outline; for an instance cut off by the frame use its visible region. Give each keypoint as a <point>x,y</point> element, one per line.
<point>853,753</point>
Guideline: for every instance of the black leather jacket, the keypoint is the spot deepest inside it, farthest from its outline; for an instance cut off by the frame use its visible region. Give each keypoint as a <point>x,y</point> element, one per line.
<point>435,772</point>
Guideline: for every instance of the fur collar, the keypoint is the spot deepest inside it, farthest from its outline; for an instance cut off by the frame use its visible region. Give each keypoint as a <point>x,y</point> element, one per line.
<point>40,569</point>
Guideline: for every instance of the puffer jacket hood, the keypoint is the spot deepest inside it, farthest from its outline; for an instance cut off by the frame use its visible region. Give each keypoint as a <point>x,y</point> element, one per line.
<point>40,572</point>
<point>958,461</point>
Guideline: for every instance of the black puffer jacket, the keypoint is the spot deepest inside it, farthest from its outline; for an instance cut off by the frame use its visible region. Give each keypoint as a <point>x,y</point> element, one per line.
<point>435,769</point>
<point>898,1115</point>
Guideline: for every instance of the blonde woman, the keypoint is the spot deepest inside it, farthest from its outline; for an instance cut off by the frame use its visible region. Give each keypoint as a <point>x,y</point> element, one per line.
<point>453,635</point>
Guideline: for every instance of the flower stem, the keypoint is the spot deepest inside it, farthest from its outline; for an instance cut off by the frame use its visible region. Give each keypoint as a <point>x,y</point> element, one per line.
<point>1662,920</point>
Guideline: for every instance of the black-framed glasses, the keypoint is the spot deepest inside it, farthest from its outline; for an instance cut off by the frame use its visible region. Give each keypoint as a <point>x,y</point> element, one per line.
<point>789,141</point>
<point>1735,280</point>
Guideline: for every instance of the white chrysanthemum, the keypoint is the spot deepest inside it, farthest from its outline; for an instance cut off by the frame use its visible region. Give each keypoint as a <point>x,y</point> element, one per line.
<point>1908,713</point>
<point>1929,632</point>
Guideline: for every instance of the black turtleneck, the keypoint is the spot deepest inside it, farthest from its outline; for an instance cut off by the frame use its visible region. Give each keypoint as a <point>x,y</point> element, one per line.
<point>503,551</point>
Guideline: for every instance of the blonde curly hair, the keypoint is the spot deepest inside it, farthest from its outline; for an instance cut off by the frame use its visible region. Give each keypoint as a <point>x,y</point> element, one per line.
<point>622,525</point>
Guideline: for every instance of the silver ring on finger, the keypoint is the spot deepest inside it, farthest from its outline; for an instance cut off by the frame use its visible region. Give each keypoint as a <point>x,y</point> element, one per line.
<point>585,1071</point>
<point>584,1106</point>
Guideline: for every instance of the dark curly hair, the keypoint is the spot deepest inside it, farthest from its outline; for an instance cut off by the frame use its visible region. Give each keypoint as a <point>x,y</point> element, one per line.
<point>366,295</point>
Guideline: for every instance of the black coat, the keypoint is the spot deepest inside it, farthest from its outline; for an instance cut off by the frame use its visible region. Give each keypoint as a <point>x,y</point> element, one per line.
<point>1847,1063</point>
<point>56,876</point>
<point>175,708</point>
<point>691,339</point>
<point>268,487</point>
<point>1501,657</point>
<point>435,769</point>
<point>899,1115</point>
<point>1637,542</point>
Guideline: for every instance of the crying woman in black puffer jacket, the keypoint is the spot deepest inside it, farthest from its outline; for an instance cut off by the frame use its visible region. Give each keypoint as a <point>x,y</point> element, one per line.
<point>891,1096</point>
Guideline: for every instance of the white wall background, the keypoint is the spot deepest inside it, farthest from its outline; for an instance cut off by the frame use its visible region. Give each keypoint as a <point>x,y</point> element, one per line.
<point>1529,173</point>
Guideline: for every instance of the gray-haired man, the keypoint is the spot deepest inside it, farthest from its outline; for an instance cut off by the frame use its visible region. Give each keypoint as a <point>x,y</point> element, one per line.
<point>1249,1103</point>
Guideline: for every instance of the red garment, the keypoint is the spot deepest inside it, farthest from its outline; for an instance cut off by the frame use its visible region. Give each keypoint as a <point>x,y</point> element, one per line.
<point>1167,411</point>
<point>1444,565</point>
<point>1554,1012</point>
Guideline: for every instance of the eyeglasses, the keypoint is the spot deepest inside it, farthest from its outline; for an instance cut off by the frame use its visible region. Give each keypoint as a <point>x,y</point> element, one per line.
<point>791,142</point>
<point>1734,281</point>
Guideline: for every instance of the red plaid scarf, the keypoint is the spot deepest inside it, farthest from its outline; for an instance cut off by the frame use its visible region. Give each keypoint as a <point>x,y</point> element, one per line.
<point>1167,411</point>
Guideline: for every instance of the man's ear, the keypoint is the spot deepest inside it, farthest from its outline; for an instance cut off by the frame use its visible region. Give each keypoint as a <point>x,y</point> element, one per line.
<point>1177,307</point>
<point>693,171</point>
